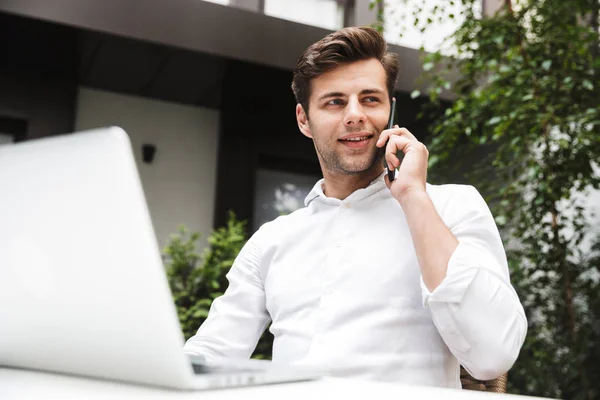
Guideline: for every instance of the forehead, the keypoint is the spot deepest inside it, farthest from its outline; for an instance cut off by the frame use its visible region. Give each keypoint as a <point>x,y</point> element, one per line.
<point>351,78</point>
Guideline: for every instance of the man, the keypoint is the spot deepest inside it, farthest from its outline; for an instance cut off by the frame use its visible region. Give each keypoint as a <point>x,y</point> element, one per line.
<point>399,281</point>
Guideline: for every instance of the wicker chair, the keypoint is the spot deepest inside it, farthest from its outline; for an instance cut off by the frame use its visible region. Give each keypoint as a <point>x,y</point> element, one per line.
<point>497,385</point>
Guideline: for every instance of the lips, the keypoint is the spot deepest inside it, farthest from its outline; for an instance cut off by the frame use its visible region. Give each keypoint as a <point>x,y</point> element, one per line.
<point>356,137</point>
<point>356,141</point>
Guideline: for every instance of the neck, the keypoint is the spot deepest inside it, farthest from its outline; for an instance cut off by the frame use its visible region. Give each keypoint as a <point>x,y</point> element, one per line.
<point>340,185</point>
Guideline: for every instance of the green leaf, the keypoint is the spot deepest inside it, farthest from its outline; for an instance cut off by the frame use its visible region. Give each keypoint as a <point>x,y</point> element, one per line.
<point>414,94</point>
<point>527,97</point>
<point>547,64</point>
<point>494,120</point>
<point>587,84</point>
<point>501,220</point>
<point>433,160</point>
<point>493,78</point>
<point>427,66</point>
<point>201,313</point>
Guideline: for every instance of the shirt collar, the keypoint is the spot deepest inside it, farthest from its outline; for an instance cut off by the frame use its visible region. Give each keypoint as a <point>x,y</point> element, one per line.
<point>317,191</point>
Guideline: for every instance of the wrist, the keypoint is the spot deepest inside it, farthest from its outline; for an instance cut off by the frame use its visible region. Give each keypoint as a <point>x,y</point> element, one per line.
<point>412,195</point>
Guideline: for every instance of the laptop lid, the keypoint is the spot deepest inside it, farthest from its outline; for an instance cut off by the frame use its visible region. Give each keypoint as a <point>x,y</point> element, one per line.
<point>82,285</point>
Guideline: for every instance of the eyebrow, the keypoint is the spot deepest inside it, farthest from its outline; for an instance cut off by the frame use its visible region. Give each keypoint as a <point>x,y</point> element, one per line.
<point>340,94</point>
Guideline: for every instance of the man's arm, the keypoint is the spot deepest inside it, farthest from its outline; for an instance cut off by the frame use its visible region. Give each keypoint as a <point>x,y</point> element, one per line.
<point>409,188</point>
<point>237,319</point>
<point>433,240</point>
<point>472,303</point>
<point>465,279</point>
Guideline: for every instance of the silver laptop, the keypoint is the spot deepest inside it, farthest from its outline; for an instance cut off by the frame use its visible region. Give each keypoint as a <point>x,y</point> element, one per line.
<point>82,286</point>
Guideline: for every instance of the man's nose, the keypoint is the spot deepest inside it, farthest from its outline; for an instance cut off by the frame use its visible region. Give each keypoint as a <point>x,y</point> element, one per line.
<point>354,113</point>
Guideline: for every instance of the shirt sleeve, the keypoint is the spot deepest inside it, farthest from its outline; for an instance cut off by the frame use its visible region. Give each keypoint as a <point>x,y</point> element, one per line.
<point>238,318</point>
<point>475,308</point>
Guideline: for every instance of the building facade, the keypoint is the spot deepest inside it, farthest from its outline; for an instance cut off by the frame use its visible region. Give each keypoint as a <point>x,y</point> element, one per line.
<point>206,84</point>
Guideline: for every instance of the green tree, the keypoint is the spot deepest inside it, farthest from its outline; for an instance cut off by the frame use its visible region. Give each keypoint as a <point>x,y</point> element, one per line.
<point>197,280</point>
<point>525,103</point>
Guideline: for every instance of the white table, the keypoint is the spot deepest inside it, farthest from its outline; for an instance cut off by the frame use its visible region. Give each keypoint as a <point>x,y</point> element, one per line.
<point>23,384</point>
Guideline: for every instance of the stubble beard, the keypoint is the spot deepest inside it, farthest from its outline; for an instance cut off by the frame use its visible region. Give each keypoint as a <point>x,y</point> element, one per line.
<point>344,165</point>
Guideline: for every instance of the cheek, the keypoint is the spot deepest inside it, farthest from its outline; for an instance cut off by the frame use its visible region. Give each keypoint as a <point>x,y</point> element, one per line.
<point>324,127</point>
<point>379,119</point>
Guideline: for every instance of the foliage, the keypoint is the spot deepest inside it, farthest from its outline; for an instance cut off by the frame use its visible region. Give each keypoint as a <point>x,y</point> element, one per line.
<point>525,84</point>
<point>194,286</point>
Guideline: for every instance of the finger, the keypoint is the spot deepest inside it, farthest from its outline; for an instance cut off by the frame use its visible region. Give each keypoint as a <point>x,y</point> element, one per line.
<point>392,161</point>
<point>387,181</point>
<point>398,143</point>
<point>395,131</point>
<point>395,145</point>
<point>383,138</point>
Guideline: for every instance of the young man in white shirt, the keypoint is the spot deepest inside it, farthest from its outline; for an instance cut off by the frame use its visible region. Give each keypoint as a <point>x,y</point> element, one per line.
<point>399,281</point>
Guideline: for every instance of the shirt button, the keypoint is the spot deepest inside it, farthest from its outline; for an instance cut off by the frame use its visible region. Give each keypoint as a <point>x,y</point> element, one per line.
<point>329,290</point>
<point>347,205</point>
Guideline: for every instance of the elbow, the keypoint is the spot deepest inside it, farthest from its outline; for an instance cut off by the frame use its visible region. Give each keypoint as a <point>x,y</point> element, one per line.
<point>491,366</point>
<point>495,359</point>
<point>496,356</point>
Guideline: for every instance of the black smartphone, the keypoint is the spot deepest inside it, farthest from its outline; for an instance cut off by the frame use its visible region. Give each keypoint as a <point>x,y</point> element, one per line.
<point>391,172</point>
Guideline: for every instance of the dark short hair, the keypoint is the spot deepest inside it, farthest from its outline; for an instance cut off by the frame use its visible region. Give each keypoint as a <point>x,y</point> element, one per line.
<point>342,47</point>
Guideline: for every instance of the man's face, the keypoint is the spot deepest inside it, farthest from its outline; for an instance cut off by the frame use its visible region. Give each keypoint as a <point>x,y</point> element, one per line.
<point>348,107</point>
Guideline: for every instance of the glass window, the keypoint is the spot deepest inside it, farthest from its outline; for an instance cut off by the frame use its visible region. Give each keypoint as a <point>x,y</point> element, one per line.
<point>279,193</point>
<point>328,14</point>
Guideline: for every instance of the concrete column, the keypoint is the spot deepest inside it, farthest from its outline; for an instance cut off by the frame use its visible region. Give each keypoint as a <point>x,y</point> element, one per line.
<point>358,13</point>
<point>490,7</point>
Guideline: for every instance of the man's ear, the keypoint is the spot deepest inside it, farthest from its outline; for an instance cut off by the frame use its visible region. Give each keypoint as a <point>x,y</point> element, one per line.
<point>302,120</point>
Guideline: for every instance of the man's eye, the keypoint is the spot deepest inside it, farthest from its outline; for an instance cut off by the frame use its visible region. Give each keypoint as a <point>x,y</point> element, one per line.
<point>335,102</point>
<point>371,99</point>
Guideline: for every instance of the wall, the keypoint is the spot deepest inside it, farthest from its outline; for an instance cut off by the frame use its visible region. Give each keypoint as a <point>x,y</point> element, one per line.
<point>180,183</point>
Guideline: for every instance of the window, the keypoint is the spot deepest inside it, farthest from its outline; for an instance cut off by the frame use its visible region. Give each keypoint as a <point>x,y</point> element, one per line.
<point>279,193</point>
<point>328,14</point>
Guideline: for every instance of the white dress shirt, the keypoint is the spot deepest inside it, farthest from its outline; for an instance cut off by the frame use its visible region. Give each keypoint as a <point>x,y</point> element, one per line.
<point>341,284</point>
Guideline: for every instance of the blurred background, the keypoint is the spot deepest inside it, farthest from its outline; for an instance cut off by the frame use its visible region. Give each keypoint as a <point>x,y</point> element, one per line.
<point>206,83</point>
<point>504,93</point>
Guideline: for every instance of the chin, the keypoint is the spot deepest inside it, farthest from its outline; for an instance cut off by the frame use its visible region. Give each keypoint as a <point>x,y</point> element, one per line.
<point>356,169</point>
<point>362,166</point>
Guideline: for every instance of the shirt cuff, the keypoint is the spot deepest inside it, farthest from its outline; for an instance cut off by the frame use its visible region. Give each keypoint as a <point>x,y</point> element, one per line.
<point>459,275</point>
